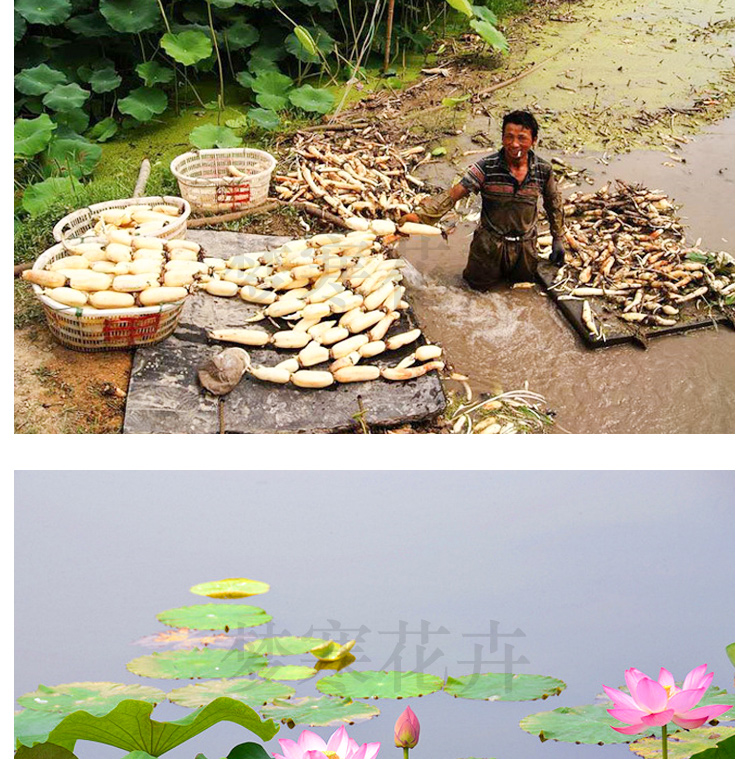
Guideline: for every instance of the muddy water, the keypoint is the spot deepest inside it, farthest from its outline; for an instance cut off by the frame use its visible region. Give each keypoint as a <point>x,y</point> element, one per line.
<point>502,339</point>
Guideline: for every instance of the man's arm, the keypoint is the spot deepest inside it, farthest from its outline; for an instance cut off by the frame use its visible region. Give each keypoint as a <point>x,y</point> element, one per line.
<point>553,206</point>
<point>434,207</point>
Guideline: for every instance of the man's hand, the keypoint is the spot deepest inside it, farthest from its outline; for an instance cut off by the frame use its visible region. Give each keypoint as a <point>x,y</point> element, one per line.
<point>557,256</point>
<point>410,217</point>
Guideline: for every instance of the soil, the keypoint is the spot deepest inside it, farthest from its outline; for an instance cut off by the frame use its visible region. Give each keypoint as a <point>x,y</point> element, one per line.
<point>62,391</point>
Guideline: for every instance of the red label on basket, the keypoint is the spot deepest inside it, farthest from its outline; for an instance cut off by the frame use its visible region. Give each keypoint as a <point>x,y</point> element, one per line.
<point>130,329</point>
<point>235,194</point>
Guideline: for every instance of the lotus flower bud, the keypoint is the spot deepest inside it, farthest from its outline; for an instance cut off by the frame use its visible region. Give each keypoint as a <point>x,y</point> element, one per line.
<point>407,729</point>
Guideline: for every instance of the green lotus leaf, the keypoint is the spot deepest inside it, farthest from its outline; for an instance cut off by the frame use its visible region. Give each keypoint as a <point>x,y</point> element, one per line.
<point>90,25</point>
<point>198,663</point>
<point>187,47</point>
<point>319,712</point>
<point>324,5</point>
<point>271,102</point>
<point>73,156</point>
<point>223,4</point>
<point>240,35</point>
<point>485,14</point>
<point>65,97</point>
<point>464,6</point>
<point>682,745</point>
<point>143,103</point>
<point>154,73</point>
<point>71,123</point>
<point>37,198</point>
<point>247,751</point>
<point>264,118</point>
<point>44,751</point>
<point>494,686</point>
<point>330,651</point>
<point>32,104</point>
<point>730,653</point>
<point>47,12</point>
<point>103,130</point>
<point>575,724</point>
<point>19,27</point>
<point>379,684</point>
<point>491,34</point>
<point>38,80</point>
<point>336,664</point>
<point>105,80</point>
<point>205,137</point>
<point>260,63</point>
<point>31,136</point>
<point>254,693</point>
<point>716,695</point>
<point>239,123</point>
<point>272,83</point>
<point>268,51</point>
<point>245,79</point>
<point>94,698</point>
<point>723,750</point>
<point>287,672</point>
<point>283,646</point>
<point>31,726</point>
<point>311,99</point>
<point>129,726</point>
<point>131,16</point>
<point>234,587</point>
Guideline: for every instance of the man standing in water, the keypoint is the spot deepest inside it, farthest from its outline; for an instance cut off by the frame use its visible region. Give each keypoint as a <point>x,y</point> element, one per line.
<point>511,181</point>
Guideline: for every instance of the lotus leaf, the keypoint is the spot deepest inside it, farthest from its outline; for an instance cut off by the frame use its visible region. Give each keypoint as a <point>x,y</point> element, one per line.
<point>234,587</point>
<point>38,80</point>
<point>222,4</point>
<point>205,137</point>
<point>271,102</point>
<point>247,751</point>
<point>494,686</point>
<point>74,156</point>
<point>103,130</point>
<point>65,97</point>
<point>198,663</point>
<point>336,664</point>
<point>380,684</point>
<point>154,73</point>
<point>183,637</point>
<point>187,47</point>
<point>575,724</point>
<point>71,123</point>
<point>19,27</point>
<point>90,25</point>
<point>724,750</point>
<point>245,79</point>
<point>38,197</point>
<point>259,63</point>
<point>31,726</point>
<point>105,80</point>
<point>31,136</point>
<point>272,88</point>
<point>94,698</point>
<point>284,646</point>
<point>241,35</point>
<point>319,712</point>
<point>44,751</point>
<point>239,123</point>
<point>287,672</point>
<point>47,12</point>
<point>311,99</point>
<point>682,745</point>
<point>730,653</point>
<point>490,33</point>
<point>131,16</point>
<point>485,14</point>
<point>143,103</point>
<point>464,6</point>
<point>332,651</point>
<point>251,692</point>
<point>129,726</point>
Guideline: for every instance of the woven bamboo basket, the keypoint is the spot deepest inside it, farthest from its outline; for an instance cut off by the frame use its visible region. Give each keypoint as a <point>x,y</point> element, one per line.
<point>205,181</point>
<point>77,223</point>
<point>92,329</point>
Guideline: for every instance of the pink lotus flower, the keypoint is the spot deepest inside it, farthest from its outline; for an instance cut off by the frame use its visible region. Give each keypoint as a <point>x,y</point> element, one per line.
<point>654,703</point>
<point>339,746</point>
<point>407,729</point>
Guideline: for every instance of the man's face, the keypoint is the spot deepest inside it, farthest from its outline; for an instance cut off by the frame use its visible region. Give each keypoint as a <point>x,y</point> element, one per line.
<point>517,141</point>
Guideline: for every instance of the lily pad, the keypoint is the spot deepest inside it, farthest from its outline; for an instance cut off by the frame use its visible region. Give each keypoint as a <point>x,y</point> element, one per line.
<point>38,80</point>
<point>71,124</point>
<point>254,693</point>
<point>682,745</point>
<point>143,103</point>
<point>336,664</point>
<point>205,137</point>
<point>494,686</point>
<point>198,663</point>
<point>187,47</point>
<point>47,12</point>
<point>311,99</point>
<point>37,198</point>
<point>72,156</point>
<point>283,646</point>
<point>380,684</point>
<point>723,750</point>
<point>233,587</point>
<point>103,130</point>
<point>332,651</point>
<point>319,712</point>
<point>491,34</point>
<point>65,97</point>
<point>105,80</point>
<point>129,726</point>
<point>31,726</point>
<point>575,724</point>
<point>185,638</point>
<point>44,751</point>
<point>240,35</point>
<point>131,16</point>
<point>214,616</point>
<point>154,73</point>
<point>31,136</point>
<point>90,25</point>
<point>287,672</point>
<point>94,698</point>
<point>272,89</point>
